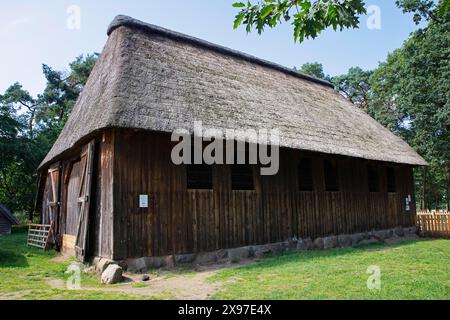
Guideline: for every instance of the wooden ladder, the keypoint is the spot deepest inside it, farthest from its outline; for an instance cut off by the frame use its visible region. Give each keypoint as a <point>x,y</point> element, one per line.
<point>38,235</point>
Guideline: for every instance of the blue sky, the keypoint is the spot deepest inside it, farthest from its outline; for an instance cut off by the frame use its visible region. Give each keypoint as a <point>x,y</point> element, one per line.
<point>35,32</point>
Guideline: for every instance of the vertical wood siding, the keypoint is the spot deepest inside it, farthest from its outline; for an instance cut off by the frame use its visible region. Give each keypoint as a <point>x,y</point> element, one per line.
<point>100,232</point>
<point>5,225</point>
<point>181,221</point>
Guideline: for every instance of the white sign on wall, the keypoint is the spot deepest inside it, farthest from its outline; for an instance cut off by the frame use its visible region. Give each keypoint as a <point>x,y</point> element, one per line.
<point>143,201</point>
<point>408,203</point>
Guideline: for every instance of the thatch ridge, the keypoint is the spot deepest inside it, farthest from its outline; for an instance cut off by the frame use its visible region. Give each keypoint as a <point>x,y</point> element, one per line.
<point>126,21</point>
<point>160,81</point>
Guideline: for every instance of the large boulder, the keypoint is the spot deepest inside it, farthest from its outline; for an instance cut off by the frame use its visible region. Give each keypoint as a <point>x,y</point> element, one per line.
<point>101,264</point>
<point>399,232</point>
<point>112,274</point>
<point>222,255</point>
<point>168,261</point>
<point>410,231</point>
<point>206,258</point>
<point>159,262</point>
<point>185,258</point>
<point>318,244</point>
<point>305,244</point>
<point>302,245</point>
<point>291,244</point>
<point>380,235</point>
<point>260,251</point>
<point>345,240</point>
<point>238,254</point>
<point>389,233</point>
<point>357,238</point>
<point>277,247</point>
<point>330,242</point>
<point>137,265</point>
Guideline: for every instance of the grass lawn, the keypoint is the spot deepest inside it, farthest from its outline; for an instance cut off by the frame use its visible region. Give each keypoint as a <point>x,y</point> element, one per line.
<point>25,273</point>
<point>409,270</point>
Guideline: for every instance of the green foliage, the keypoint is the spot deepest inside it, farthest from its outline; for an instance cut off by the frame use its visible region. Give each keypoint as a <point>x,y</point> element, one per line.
<point>315,70</point>
<point>411,96</point>
<point>29,126</point>
<point>355,86</point>
<point>308,18</point>
<point>423,9</point>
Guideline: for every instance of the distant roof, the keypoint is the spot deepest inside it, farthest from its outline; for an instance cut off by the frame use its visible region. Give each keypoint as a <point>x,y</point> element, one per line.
<point>8,215</point>
<point>151,78</point>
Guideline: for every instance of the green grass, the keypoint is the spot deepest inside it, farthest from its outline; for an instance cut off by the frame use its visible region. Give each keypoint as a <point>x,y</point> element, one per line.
<point>409,270</point>
<point>25,272</point>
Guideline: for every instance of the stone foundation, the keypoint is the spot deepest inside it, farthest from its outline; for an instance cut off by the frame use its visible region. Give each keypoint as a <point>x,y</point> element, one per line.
<point>234,255</point>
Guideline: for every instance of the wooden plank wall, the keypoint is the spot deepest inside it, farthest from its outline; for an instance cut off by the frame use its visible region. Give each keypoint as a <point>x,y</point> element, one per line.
<point>5,225</point>
<point>182,221</point>
<point>101,216</point>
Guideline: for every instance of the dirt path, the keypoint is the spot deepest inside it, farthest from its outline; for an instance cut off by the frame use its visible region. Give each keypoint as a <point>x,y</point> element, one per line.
<point>173,285</point>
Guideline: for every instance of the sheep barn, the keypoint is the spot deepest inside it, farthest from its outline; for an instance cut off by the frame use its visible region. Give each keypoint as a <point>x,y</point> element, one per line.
<point>110,189</point>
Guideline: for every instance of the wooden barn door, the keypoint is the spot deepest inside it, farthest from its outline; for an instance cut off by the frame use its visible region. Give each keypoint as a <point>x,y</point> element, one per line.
<point>51,195</point>
<point>84,194</point>
<point>51,202</point>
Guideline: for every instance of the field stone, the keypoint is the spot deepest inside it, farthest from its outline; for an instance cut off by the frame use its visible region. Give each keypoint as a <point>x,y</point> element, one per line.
<point>379,235</point>
<point>345,240</point>
<point>145,277</point>
<point>309,243</point>
<point>389,233</point>
<point>330,242</point>
<point>260,251</point>
<point>185,258</point>
<point>357,238</point>
<point>137,265</point>
<point>399,232</point>
<point>112,274</point>
<point>291,244</point>
<point>410,231</point>
<point>102,264</point>
<point>239,253</point>
<point>318,244</point>
<point>368,235</point>
<point>153,262</point>
<point>206,257</point>
<point>168,261</point>
<point>278,247</point>
<point>222,255</point>
<point>302,245</point>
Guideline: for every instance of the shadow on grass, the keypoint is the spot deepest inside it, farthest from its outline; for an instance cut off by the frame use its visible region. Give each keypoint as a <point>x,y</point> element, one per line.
<point>304,256</point>
<point>11,259</point>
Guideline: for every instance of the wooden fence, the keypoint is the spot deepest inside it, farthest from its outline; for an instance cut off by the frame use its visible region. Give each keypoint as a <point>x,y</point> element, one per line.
<point>38,235</point>
<point>434,223</point>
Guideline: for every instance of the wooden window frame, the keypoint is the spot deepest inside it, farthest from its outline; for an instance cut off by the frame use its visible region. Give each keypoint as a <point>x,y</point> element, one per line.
<point>331,187</point>
<point>200,183</point>
<point>390,173</point>
<point>307,186</point>
<point>373,178</point>
<point>237,178</point>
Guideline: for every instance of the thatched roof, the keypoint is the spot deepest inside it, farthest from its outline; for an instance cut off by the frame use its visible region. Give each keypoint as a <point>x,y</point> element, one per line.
<point>152,78</point>
<point>4,211</point>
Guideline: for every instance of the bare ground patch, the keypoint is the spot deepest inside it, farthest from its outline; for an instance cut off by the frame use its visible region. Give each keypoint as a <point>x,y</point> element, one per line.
<point>189,285</point>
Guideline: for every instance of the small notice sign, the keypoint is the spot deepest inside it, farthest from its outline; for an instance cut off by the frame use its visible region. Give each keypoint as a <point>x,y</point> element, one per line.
<point>143,201</point>
<point>407,203</point>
